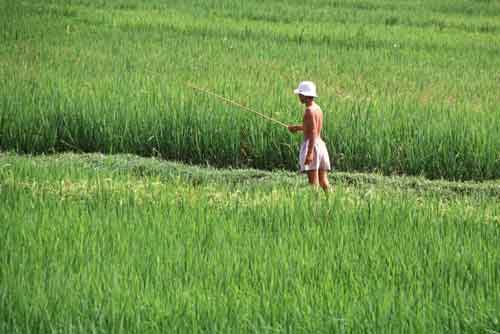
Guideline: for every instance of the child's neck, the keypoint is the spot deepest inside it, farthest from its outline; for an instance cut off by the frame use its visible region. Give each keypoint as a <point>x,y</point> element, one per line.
<point>309,103</point>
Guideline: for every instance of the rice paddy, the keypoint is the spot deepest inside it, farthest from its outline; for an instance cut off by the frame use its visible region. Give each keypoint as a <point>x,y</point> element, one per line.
<point>131,203</point>
<point>407,88</point>
<point>129,245</point>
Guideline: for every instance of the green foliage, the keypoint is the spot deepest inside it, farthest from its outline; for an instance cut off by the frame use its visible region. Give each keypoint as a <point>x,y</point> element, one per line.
<point>407,87</point>
<point>129,245</point>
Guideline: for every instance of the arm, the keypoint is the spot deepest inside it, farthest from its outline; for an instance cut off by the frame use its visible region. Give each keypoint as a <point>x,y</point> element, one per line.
<point>295,128</point>
<point>309,134</point>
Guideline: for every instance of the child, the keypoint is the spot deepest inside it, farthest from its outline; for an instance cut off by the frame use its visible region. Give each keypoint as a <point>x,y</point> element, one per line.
<point>313,156</point>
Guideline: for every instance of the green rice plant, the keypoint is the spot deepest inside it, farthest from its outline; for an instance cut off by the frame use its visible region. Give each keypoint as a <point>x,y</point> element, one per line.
<point>407,88</point>
<point>127,245</point>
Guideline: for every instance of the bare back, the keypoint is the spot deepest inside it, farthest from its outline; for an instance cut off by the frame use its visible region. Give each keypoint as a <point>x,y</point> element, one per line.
<point>313,122</point>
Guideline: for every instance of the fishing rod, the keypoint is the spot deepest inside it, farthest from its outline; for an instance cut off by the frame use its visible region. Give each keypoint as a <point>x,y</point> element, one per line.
<point>236,104</point>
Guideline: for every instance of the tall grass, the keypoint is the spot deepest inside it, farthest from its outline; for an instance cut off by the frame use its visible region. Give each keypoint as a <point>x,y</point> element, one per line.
<point>407,88</point>
<point>91,246</point>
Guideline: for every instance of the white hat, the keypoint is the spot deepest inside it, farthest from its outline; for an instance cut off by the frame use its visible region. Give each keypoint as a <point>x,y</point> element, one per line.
<point>306,88</point>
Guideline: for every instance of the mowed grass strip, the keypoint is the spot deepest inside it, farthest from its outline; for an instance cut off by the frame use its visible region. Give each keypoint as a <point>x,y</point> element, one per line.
<point>406,88</point>
<point>94,244</point>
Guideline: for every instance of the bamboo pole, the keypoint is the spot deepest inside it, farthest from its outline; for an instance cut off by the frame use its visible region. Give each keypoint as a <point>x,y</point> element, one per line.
<point>236,104</point>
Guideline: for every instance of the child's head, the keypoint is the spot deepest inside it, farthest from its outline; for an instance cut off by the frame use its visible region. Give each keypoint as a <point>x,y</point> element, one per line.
<point>306,91</point>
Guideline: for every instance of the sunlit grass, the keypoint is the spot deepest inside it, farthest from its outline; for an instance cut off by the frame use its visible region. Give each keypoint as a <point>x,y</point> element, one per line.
<point>406,88</point>
<point>97,243</point>
<point>127,245</point>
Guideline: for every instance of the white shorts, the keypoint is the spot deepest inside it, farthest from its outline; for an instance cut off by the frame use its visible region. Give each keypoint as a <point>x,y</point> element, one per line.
<point>321,159</point>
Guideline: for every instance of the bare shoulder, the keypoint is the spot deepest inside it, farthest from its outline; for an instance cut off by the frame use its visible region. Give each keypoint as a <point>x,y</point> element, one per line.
<point>313,111</point>
<point>308,113</point>
<point>319,112</point>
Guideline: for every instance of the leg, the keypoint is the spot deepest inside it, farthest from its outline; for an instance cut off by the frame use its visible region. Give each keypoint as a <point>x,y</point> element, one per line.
<point>323,180</point>
<point>312,175</point>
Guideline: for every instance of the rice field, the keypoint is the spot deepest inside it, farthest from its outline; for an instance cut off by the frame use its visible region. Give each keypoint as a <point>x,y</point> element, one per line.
<point>120,244</point>
<point>407,87</point>
<point>131,203</point>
